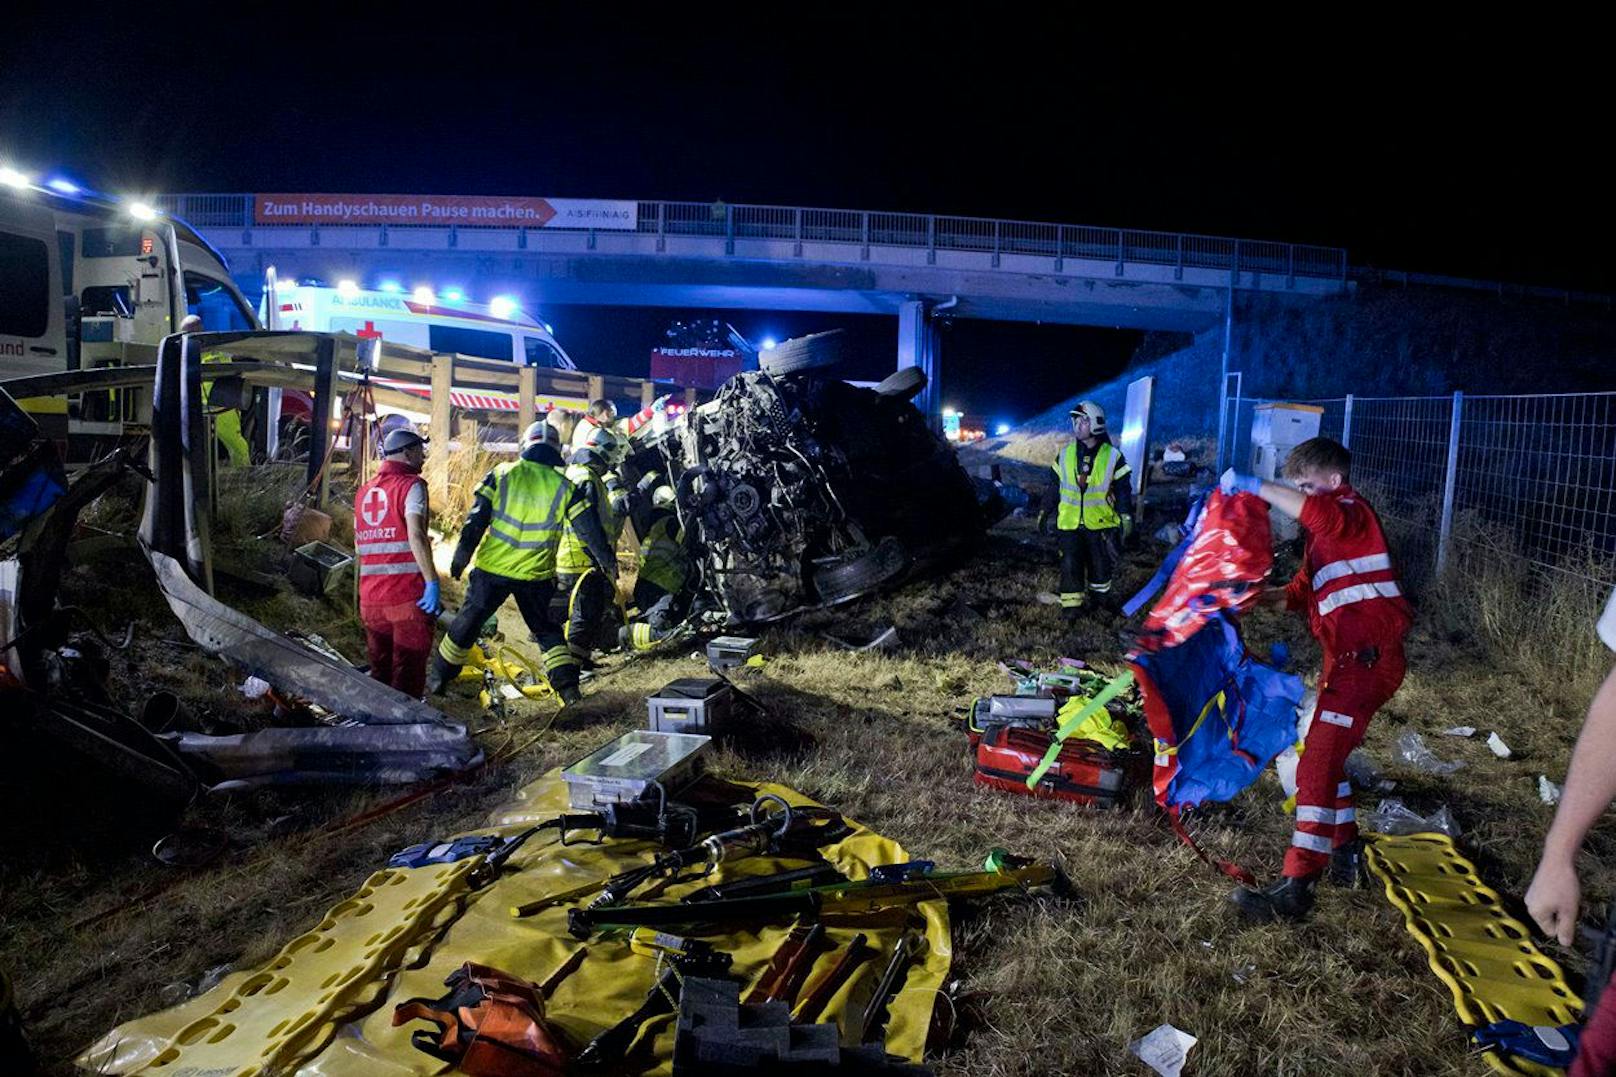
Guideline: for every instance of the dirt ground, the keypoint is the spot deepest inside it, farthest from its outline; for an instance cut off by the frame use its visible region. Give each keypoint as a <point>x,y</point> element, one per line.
<point>93,931</point>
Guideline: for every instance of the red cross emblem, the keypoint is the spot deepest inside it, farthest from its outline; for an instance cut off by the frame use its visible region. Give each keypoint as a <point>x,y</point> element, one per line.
<point>374,506</point>
<point>369,332</point>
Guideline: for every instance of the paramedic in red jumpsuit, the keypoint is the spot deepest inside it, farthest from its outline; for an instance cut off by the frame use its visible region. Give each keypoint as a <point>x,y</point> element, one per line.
<point>1357,611</point>
<point>398,585</point>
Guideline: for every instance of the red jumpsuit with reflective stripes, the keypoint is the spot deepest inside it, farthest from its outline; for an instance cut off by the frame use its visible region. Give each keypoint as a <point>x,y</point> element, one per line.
<point>398,633</point>
<point>1357,611</point>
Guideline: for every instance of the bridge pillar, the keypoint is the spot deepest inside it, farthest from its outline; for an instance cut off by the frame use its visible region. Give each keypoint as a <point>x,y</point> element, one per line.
<point>918,346</point>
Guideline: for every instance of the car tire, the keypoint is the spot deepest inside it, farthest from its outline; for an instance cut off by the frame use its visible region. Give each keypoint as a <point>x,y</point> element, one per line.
<point>859,574</point>
<point>905,384</point>
<point>802,354</point>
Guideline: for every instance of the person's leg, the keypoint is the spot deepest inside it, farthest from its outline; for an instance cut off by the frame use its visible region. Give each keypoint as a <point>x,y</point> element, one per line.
<point>560,666</point>
<point>484,593</point>
<point>379,644</point>
<point>1071,572</point>
<point>412,647</point>
<point>1350,692</point>
<point>1100,562</point>
<point>227,428</point>
<point>589,600</point>
<point>1596,1047</point>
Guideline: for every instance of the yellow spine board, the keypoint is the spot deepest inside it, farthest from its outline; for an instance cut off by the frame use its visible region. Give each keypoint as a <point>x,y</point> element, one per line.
<point>1485,956</point>
<point>263,1022</point>
<point>417,945</point>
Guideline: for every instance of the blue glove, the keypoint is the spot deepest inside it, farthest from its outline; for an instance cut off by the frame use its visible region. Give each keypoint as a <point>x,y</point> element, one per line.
<point>1235,483</point>
<point>429,602</point>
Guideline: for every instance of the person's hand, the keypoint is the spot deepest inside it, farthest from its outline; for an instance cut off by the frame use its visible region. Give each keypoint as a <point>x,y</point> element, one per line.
<point>1232,482</point>
<point>1553,900</point>
<point>1043,523</point>
<point>458,564</point>
<point>430,602</point>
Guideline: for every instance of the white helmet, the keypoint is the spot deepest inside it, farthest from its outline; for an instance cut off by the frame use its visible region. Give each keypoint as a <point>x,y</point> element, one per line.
<point>1093,412</point>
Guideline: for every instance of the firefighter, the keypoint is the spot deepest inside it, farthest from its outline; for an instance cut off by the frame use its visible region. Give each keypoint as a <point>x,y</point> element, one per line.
<point>588,585</point>
<point>1356,610</point>
<point>661,594</point>
<point>398,584</point>
<point>515,526</point>
<point>1093,492</point>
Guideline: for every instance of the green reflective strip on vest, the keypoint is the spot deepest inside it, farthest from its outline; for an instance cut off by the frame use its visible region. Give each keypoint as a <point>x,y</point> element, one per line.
<point>1087,505</point>
<point>662,558</point>
<point>572,557</point>
<point>525,528</point>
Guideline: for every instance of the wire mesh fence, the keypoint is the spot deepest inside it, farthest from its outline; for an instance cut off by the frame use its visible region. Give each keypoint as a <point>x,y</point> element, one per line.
<point>1526,478</point>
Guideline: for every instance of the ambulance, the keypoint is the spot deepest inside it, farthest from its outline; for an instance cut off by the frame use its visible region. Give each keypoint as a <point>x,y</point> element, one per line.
<point>446,323</point>
<point>498,331</point>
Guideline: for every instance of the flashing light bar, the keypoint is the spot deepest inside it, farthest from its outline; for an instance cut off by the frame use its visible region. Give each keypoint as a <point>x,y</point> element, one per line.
<point>12,178</point>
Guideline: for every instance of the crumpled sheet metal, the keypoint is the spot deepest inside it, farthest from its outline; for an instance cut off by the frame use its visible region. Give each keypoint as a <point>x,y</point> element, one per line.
<point>383,951</point>
<point>284,663</point>
<point>328,755</point>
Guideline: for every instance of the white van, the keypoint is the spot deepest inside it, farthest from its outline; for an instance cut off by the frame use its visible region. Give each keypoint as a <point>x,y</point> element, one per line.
<point>419,319</point>
<point>86,281</point>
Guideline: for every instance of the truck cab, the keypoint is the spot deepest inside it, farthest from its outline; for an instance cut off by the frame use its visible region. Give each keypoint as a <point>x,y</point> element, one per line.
<point>86,282</point>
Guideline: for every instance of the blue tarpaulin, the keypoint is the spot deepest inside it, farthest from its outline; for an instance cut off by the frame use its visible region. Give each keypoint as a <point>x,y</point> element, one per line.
<point>1218,714</point>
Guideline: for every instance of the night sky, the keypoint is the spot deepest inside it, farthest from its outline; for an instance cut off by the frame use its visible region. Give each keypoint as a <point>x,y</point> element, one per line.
<point>1478,151</point>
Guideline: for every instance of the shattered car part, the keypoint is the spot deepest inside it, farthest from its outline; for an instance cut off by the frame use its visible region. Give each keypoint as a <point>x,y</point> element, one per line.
<point>418,744</point>
<point>799,490</point>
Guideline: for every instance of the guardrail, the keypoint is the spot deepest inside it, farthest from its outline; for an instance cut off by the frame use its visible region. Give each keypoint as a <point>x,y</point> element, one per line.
<point>864,229</point>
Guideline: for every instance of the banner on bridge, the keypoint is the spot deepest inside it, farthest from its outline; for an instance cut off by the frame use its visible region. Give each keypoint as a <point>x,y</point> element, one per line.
<point>432,209</point>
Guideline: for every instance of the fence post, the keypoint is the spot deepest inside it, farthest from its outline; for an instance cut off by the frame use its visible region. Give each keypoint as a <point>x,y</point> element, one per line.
<point>1445,530</point>
<point>1346,424</point>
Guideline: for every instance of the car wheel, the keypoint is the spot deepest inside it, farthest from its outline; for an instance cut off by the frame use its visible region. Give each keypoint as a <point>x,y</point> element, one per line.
<point>860,573</point>
<point>904,384</point>
<point>801,354</point>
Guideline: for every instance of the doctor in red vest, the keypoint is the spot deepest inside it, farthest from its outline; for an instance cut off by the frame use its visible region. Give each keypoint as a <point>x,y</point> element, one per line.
<point>398,585</point>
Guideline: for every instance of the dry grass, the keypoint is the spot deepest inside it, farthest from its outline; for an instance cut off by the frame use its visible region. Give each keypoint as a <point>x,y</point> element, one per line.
<point>1054,987</point>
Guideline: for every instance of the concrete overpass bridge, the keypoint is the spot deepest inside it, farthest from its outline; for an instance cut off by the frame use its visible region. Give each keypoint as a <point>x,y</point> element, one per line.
<point>684,254</point>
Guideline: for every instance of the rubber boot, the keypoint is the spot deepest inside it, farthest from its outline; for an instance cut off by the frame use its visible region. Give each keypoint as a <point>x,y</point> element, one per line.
<point>1288,900</point>
<point>1347,869</point>
<point>569,694</point>
<point>439,675</point>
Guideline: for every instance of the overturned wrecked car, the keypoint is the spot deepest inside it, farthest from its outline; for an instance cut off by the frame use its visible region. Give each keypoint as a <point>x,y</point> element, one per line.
<point>797,489</point>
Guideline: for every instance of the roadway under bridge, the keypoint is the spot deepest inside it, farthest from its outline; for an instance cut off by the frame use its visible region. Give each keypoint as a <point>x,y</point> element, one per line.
<point>680,254</point>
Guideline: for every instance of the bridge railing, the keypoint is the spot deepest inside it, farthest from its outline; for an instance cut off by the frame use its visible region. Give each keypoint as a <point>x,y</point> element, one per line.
<point>864,229</point>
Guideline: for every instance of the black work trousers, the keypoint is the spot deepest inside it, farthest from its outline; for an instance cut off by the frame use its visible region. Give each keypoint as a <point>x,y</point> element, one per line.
<point>585,601</point>
<point>1088,558</point>
<point>485,593</point>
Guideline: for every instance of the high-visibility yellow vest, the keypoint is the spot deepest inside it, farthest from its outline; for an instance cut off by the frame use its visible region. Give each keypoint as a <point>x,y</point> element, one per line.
<point>1085,500</point>
<point>663,561</point>
<point>529,503</point>
<point>572,559</point>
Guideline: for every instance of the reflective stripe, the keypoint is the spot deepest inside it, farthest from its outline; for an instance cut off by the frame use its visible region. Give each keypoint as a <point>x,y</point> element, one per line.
<point>1346,815</point>
<point>1377,562</point>
<point>1307,813</point>
<point>522,525</point>
<point>1100,588</point>
<point>453,653</point>
<point>393,568</point>
<point>1336,718</point>
<point>1312,842</point>
<point>557,657</point>
<point>1358,593</point>
<point>368,548</point>
<point>1068,599</point>
<point>1344,789</point>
